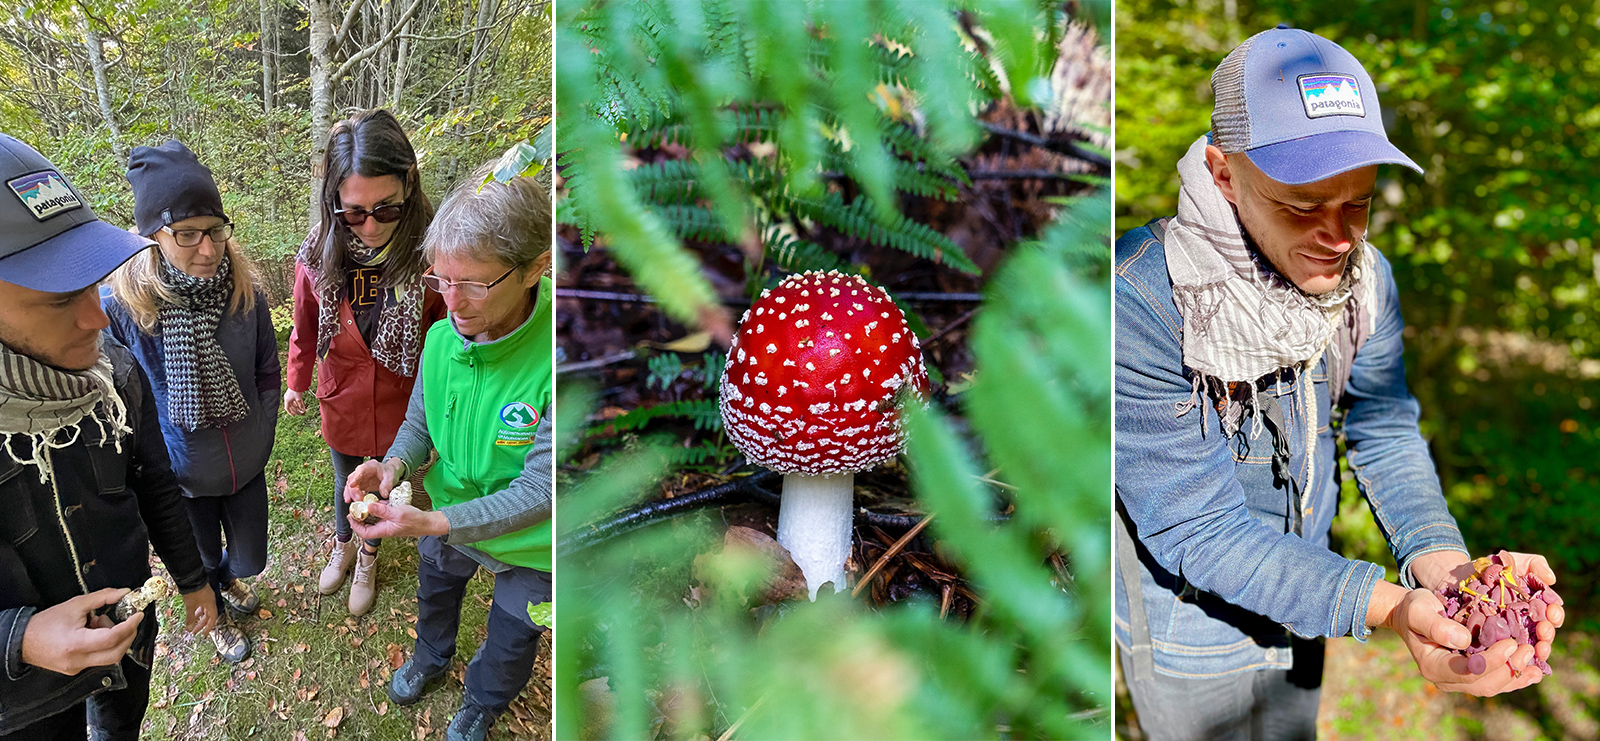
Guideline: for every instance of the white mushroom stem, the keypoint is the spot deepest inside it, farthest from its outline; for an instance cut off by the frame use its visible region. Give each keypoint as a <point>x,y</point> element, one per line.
<point>814,525</point>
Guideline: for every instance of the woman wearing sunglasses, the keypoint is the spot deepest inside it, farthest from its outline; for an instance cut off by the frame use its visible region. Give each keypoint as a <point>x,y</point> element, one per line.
<point>193,317</point>
<point>484,404</point>
<point>360,313</point>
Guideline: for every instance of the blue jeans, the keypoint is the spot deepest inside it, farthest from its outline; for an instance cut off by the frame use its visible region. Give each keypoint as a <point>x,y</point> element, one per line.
<point>1270,705</point>
<point>114,715</point>
<point>504,662</point>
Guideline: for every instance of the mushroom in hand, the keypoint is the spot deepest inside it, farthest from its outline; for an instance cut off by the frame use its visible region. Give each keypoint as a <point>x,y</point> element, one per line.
<point>811,391</point>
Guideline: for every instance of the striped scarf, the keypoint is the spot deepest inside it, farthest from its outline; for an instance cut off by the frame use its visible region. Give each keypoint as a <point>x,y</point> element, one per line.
<point>202,390</point>
<point>397,344</point>
<point>39,402</point>
<point>1241,320</point>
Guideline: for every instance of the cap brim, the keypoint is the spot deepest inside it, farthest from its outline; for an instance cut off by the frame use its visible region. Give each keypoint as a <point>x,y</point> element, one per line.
<point>74,259</point>
<point>1321,156</point>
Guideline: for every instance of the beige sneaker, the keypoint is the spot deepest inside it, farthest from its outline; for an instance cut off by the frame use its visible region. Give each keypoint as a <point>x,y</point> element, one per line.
<point>339,563</point>
<point>361,585</point>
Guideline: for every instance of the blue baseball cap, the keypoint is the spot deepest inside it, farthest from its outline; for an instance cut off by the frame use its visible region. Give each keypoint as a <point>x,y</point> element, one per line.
<point>1300,107</point>
<point>50,240</point>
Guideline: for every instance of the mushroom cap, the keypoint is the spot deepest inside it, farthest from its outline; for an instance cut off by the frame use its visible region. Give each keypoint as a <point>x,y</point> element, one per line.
<point>813,374</point>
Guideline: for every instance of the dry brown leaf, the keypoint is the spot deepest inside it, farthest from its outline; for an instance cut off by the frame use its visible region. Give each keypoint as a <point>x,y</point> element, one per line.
<point>383,708</point>
<point>396,660</point>
<point>334,717</point>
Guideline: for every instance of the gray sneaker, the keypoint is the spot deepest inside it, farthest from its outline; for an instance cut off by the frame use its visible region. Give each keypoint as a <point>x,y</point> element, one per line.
<point>472,723</point>
<point>411,682</point>
<point>240,599</point>
<point>232,645</point>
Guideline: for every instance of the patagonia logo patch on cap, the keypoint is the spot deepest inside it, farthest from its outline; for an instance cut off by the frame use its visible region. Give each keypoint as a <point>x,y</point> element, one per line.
<point>45,194</point>
<point>1330,95</point>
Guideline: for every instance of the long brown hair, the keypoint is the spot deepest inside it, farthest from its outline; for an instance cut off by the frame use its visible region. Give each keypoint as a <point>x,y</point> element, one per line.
<point>370,144</point>
<point>138,286</point>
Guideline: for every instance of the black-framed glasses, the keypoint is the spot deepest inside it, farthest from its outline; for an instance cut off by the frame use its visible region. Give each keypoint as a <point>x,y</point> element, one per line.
<point>357,216</point>
<point>191,237</point>
<point>468,289</point>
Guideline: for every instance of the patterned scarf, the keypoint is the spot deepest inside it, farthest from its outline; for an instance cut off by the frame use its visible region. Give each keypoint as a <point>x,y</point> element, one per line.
<point>397,345</point>
<point>39,401</point>
<point>202,390</point>
<point>1241,320</point>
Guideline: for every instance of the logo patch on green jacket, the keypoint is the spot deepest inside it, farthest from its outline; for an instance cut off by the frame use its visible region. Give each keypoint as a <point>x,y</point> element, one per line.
<point>521,421</point>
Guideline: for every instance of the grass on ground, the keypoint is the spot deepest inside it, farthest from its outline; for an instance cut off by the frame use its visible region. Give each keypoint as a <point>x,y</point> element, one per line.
<point>315,671</point>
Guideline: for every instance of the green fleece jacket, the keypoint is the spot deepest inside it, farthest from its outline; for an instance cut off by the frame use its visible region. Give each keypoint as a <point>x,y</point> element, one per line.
<point>484,406</point>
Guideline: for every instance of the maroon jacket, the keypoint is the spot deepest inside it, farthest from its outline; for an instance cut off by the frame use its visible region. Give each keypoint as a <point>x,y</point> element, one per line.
<point>362,402</point>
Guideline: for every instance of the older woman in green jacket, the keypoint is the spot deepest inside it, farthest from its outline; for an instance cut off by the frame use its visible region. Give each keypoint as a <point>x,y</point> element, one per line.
<point>484,403</point>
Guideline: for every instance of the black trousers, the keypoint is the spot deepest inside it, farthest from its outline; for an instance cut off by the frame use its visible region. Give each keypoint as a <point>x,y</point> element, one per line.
<point>111,716</point>
<point>504,662</point>
<point>241,518</point>
<point>343,466</point>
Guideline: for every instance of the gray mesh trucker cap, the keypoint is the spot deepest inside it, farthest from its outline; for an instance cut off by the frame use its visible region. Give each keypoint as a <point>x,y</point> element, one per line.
<point>1300,107</point>
<point>50,240</point>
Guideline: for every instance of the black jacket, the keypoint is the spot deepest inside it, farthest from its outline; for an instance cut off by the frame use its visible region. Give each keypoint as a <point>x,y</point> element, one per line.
<point>89,529</point>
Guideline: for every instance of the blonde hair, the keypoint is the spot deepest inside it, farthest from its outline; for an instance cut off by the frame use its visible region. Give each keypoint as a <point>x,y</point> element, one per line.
<point>138,286</point>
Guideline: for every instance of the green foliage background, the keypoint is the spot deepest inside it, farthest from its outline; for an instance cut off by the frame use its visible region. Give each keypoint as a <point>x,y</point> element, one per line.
<point>1493,249</point>
<point>192,71</point>
<point>788,118</point>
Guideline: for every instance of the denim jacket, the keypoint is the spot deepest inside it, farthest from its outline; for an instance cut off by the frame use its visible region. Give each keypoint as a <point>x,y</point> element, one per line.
<point>1224,579</point>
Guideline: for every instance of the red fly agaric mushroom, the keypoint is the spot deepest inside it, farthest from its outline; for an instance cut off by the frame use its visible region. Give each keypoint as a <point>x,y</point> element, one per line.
<point>810,391</point>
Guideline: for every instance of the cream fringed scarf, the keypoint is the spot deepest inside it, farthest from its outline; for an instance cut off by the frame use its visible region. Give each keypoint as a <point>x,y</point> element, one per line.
<point>1241,320</point>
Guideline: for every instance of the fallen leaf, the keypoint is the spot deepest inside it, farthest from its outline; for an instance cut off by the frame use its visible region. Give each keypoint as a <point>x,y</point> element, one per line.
<point>264,614</point>
<point>412,632</point>
<point>383,708</point>
<point>396,660</point>
<point>283,603</point>
<point>334,717</point>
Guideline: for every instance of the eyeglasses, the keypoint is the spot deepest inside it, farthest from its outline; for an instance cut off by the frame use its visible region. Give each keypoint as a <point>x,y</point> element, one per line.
<point>191,237</point>
<point>468,289</point>
<point>356,216</point>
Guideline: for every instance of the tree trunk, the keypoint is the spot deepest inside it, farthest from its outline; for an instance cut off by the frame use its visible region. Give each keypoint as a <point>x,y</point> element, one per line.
<point>378,83</point>
<point>402,53</point>
<point>97,62</point>
<point>322,38</point>
<point>269,52</point>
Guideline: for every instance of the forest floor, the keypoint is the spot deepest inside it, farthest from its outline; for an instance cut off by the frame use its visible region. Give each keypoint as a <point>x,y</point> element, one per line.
<point>315,671</point>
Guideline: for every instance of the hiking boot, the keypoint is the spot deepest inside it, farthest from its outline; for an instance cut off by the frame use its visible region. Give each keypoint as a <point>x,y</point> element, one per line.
<point>232,645</point>
<point>240,599</point>
<point>362,584</point>
<point>410,682</point>
<point>339,563</point>
<point>472,723</point>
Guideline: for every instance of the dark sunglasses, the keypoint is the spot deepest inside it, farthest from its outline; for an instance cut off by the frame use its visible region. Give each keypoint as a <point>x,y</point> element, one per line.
<point>356,217</point>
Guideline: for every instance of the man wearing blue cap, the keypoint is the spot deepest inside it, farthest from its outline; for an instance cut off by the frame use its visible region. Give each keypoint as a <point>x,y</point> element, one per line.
<point>85,483</point>
<point>1244,323</point>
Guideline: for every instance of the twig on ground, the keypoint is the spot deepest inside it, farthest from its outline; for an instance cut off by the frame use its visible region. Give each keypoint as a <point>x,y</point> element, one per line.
<point>888,554</point>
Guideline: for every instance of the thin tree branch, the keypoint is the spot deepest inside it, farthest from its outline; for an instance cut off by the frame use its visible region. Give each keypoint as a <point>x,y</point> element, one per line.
<point>342,33</point>
<point>400,23</point>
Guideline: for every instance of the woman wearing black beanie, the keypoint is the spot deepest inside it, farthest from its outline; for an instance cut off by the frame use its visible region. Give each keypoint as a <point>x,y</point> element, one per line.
<point>200,329</point>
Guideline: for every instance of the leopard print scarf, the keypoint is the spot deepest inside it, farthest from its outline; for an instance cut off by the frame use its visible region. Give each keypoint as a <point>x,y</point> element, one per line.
<point>397,345</point>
